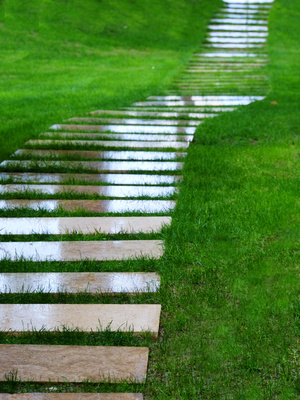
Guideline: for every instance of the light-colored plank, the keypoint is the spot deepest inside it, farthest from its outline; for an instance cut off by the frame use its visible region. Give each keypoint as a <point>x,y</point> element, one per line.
<point>125,144</point>
<point>108,155</point>
<point>71,282</point>
<point>126,129</point>
<point>86,225</point>
<point>76,251</point>
<point>73,363</point>
<point>137,318</point>
<point>127,121</point>
<point>99,206</point>
<point>100,166</point>
<point>107,191</point>
<point>165,114</point>
<point>71,396</point>
<point>116,179</point>
<point>123,137</point>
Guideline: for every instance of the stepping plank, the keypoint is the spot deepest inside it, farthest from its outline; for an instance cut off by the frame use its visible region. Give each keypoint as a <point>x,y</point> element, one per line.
<point>86,225</point>
<point>100,206</point>
<point>40,363</point>
<point>76,251</point>
<point>176,143</point>
<point>71,396</point>
<point>173,103</point>
<point>118,136</point>
<point>109,155</point>
<point>221,98</point>
<point>100,166</point>
<point>125,129</point>
<point>244,21</point>
<point>119,179</point>
<point>149,122</point>
<point>90,282</point>
<point>137,318</point>
<point>187,109</point>
<point>152,114</point>
<point>108,191</point>
<point>238,34</point>
<point>237,28</point>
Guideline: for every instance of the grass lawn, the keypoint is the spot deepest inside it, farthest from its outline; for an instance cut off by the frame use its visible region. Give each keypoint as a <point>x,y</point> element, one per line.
<point>230,326</point>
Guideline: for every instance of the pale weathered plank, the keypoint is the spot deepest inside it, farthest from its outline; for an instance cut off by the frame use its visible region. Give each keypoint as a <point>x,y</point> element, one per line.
<point>75,251</point>
<point>71,282</point>
<point>40,363</point>
<point>137,318</point>
<point>107,191</point>
<point>99,206</point>
<point>86,225</point>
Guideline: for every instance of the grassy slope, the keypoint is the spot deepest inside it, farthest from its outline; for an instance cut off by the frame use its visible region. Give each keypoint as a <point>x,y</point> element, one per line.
<point>63,58</point>
<point>231,318</point>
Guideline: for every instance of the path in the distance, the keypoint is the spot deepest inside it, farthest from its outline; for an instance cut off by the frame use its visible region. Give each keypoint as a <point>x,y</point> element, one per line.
<point>118,171</point>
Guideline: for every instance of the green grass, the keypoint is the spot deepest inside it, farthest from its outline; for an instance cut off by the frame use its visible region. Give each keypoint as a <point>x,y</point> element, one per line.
<point>61,59</point>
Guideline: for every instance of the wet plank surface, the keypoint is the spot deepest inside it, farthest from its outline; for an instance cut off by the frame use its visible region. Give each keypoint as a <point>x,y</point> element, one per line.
<point>90,282</point>
<point>77,251</point>
<point>136,318</point>
<point>108,191</point>
<point>85,225</point>
<point>108,155</point>
<point>125,129</point>
<point>118,179</point>
<point>99,206</point>
<point>39,363</point>
<point>100,166</point>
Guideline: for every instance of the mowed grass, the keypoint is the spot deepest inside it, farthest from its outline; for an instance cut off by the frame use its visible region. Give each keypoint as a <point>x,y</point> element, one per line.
<point>61,59</point>
<point>231,322</point>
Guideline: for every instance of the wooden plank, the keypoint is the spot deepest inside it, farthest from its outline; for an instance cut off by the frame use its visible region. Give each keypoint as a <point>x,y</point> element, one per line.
<point>71,282</point>
<point>116,179</point>
<point>164,143</point>
<point>99,166</point>
<point>98,206</point>
<point>126,129</point>
<point>136,318</point>
<point>107,191</point>
<point>76,251</point>
<point>104,155</point>
<point>40,363</point>
<point>131,121</point>
<point>86,225</point>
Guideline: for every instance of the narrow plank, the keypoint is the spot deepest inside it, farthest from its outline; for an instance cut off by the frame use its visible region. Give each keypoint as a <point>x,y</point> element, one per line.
<point>103,155</point>
<point>71,396</point>
<point>86,225</point>
<point>107,191</point>
<point>165,143</point>
<point>99,206</point>
<point>125,129</point>
<point>117,179</point>
<point>127,121</point>
<point>123,137</point>
<point>152,114</point>
<point>89,282</point>
<point>40,363</point>
<point>136,318</point>
<point>99,166</point>
<point>77,251</point>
